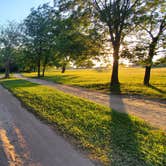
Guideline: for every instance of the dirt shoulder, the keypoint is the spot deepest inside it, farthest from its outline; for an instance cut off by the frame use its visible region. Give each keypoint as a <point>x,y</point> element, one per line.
<point>152,111</point>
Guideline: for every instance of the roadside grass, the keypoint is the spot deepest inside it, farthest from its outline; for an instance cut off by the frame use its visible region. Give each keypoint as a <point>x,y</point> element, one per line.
<point>107,136</point>
<point>131,80</point>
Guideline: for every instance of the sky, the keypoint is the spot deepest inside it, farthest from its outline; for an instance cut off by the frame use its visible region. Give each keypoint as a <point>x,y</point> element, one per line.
<point>17,9</point>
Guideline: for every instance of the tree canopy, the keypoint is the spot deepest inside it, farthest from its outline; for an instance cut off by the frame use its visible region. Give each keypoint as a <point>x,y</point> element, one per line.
<point>78,32</point>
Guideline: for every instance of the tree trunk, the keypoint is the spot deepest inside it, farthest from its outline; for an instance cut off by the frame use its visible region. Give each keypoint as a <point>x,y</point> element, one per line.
<point>34,69</point>
<point>44,68</point>
<point>44,65</point>
<point>150,61</point>
<point>7,69</point>
<point>63,68</point>
<point>38,68</point>
<point>114,77</point>
<point>38,59</point>
<point>147,75</point>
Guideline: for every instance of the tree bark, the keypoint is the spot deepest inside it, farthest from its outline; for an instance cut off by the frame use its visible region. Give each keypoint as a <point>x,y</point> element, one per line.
<point>147,75</point>
<point>38,68</point>
<point>115,68</point>
<point>7,69</point>
<point>63,68</point>
<point>150,61</point>
<point>38,59</point>
<point>43,72</point>
<point>44,65</point>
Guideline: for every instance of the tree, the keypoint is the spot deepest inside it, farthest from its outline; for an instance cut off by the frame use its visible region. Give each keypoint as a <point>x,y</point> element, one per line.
<point>153,22</point>
<point>117,16</point>
<point>84,64</point>
<point>75,37</point>
<point>71,45</point>
<point>39,40</point>
<point>9,41</point>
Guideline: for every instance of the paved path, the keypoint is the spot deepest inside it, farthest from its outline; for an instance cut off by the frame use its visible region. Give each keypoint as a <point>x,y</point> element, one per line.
<point>26,141</point>
<point>154,112</point>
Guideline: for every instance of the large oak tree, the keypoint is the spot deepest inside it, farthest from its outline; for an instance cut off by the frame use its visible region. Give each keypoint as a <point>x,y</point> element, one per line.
<point>152,20</point>
<point>117,16</point>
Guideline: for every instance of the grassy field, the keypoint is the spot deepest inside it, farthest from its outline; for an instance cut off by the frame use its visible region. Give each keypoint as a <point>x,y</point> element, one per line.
<point>110,137</point>
<point>131,80</point>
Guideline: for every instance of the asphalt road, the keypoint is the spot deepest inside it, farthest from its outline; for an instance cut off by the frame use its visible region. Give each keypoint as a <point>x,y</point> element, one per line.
<point>26,141</point>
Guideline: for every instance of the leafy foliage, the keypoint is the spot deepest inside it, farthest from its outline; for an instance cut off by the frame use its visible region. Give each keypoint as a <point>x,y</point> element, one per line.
<point>9,42</point>
<point>161,62</point>
<point>76,39</point>
<point>39,39</point>
<point>153,21</point>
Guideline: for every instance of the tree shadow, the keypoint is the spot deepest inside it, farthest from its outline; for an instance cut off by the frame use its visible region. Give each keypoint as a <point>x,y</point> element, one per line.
<point>157,89</point>
<point>115,89</point>
<point>124,144</point>
<point>18,83</point>
<point>60,79</point>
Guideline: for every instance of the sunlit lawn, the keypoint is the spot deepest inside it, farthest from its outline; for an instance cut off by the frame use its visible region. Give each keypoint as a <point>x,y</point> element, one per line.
<point>112,138</point>
<point>131,80</point>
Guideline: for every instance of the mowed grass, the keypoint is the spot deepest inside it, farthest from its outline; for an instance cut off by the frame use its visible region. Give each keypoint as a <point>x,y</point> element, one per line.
<point>131,80</point>
<point>113,138</point>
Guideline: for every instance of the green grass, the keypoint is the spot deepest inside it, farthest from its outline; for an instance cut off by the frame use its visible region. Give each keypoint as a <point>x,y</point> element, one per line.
<point>108,136</point>
<point>131,80</point>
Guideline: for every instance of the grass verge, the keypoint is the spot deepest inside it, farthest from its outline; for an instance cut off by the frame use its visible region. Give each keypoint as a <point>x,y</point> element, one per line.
<point>108,136</point>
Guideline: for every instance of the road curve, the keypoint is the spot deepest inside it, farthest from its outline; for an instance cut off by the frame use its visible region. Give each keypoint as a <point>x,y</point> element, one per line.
<point>152,111</point>
<point>26,141</point>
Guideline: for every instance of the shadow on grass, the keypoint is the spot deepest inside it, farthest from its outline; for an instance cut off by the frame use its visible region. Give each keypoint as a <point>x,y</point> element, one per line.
<point>115,89</point>
<point>59,78</point>
<point>17,83</point>
<point>157,89</point>
<point>124,145</point>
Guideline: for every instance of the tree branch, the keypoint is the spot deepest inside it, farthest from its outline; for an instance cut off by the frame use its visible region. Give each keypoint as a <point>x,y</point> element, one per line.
<point>149,32</point>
